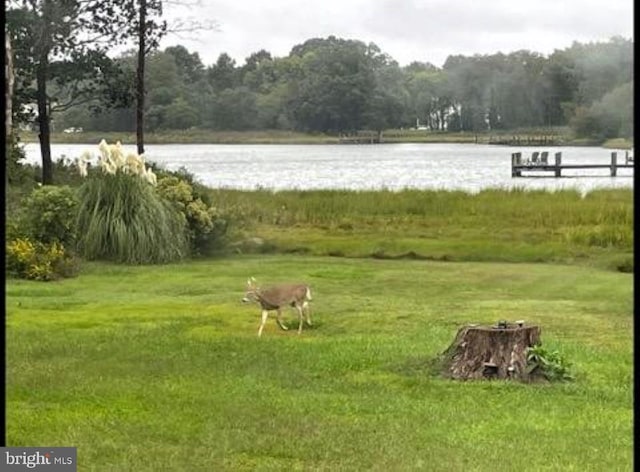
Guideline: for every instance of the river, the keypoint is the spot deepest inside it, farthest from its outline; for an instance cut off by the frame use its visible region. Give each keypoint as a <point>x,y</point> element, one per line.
<point>468,167</point>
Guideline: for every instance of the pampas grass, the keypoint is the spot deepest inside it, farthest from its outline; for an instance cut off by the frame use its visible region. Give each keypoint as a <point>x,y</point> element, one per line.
<point>123,219</point>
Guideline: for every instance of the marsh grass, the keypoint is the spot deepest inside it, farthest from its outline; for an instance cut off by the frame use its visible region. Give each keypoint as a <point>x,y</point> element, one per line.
<point>159,368</point>
<point>493,225</point>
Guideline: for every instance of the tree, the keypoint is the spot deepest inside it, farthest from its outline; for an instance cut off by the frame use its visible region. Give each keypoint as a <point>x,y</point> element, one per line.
<point>388,102</point>
<point>335,84</point>
<point>429,96</point>
<point>234,109</point>
<point>63,41</point>
<point>8,84</point>
<point>188,65</point>
<point>144,24</point>
<point>609,117</point>
<point>222,75</point>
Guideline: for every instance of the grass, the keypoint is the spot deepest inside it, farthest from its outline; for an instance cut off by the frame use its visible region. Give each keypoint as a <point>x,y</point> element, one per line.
<point>493,225</point>
<point>159,368</point>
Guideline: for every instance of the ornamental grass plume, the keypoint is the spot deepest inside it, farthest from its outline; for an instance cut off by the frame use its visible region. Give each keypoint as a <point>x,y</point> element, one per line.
<point>122,218</point>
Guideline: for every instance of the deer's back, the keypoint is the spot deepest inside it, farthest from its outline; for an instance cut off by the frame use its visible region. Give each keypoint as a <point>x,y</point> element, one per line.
<point>281,295</point>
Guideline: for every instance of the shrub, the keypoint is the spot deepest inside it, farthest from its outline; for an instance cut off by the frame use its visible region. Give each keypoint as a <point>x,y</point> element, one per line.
<point>49,215</point>
<point>39,261</point>
<point>122,218</point>
<point>205,225</point>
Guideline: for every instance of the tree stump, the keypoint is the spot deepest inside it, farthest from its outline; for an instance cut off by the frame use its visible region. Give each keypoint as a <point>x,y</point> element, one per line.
<point>490,352</point>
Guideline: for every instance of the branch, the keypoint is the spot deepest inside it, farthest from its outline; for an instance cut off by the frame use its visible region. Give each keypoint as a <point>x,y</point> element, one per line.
<point>191,26</point>
<point>71,103</point>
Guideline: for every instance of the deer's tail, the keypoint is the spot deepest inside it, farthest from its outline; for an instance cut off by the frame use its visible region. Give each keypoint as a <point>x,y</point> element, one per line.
<point>308,294</point>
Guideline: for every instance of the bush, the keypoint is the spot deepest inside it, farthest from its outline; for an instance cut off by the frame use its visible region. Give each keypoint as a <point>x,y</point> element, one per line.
<point>205,225</point>
<point>39,261</point>
<point>49,215</point>
<point>122,218</point>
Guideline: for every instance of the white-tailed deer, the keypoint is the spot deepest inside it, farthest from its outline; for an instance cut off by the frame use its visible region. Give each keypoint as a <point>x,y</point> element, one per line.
<point>278,296</point>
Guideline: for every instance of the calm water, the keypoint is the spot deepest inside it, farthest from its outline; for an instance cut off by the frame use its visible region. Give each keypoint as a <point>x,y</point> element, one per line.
<point>466,167</point>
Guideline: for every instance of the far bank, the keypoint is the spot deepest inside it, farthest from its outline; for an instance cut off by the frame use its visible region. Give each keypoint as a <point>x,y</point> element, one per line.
<point>539,137</point>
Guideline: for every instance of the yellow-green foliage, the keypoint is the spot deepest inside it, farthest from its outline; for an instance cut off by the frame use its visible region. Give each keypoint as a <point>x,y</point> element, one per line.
<point>204,222</point>
<point>37,261</point>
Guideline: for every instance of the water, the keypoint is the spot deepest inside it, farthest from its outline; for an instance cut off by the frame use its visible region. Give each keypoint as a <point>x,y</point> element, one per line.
<point>467,167</point>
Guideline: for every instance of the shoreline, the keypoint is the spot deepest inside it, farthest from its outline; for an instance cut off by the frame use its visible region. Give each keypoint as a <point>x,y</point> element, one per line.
<point>527,139</point>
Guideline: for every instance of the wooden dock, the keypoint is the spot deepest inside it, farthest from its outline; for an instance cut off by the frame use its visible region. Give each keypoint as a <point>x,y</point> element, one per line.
<point>361,137</point>
<point>539,161</point>
<point>545,140</point>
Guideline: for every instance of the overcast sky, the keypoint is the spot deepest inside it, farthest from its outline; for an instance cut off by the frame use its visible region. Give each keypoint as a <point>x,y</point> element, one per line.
<point>407,30</point>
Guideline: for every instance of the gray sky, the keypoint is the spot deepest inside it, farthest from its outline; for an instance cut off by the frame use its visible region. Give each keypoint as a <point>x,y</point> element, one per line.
<point>407,30</point>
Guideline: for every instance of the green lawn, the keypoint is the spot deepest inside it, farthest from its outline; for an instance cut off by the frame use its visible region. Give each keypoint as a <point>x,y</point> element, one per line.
<point>160,368</point>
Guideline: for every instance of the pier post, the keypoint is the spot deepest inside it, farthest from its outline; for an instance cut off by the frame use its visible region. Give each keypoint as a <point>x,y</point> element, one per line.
<point>558,164</point>
<point>515,161</point>
<point>614,163</point>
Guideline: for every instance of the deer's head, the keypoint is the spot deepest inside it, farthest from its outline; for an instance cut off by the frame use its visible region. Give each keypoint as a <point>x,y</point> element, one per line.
<point>252,290</point>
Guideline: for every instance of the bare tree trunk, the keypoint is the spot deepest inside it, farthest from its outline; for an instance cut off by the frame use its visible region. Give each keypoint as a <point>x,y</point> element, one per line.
<point>140,77</point>
<point>43,120</point>
<point>8,74</point>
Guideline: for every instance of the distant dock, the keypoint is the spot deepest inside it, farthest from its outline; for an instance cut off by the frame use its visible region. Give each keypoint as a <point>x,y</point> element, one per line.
<point>361,137</point>
<point>539,161</point>
<point>545,140</point>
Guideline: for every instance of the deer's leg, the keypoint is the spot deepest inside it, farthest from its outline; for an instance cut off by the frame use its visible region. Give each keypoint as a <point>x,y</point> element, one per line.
<point>265,314</point>
<point>300,317</point>
<point>307,308</point>
<point>279,314</point>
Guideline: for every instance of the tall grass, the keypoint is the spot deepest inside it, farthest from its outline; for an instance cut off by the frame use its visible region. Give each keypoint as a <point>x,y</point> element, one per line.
<point>512,225</point>
<point>514,209</point>
<point>122,219</point>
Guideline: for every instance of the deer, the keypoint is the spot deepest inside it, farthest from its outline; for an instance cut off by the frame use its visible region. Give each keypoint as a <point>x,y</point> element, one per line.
<point>275,297</point>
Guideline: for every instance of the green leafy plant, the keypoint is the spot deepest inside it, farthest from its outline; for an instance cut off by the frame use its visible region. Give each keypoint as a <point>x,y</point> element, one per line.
<point>551,364</point>
<point>49,215</point>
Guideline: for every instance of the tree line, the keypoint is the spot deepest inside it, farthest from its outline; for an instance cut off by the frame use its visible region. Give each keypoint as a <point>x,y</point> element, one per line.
<point>334,85</point>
